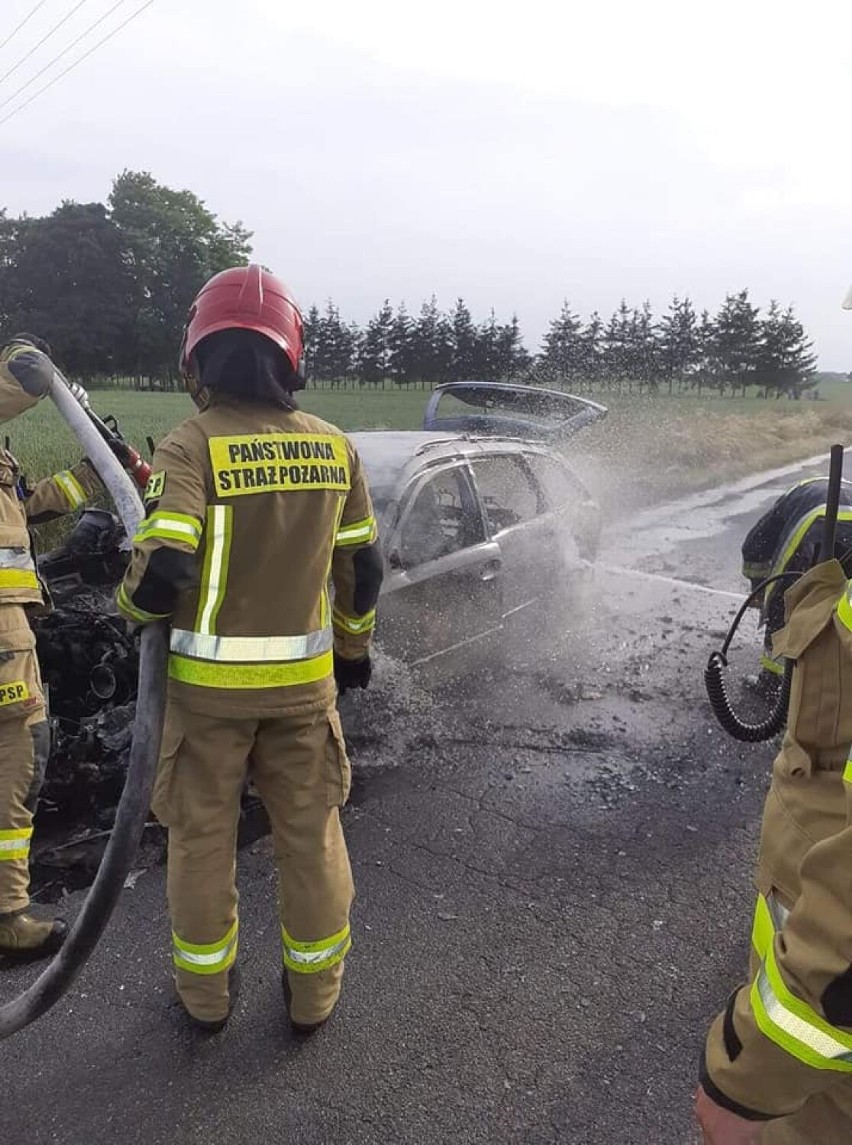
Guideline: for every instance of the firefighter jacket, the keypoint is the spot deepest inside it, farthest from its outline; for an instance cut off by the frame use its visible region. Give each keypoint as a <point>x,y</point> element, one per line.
<point>250,510</point>
<point>788,1034</point>
<point>22,384</point>
<point>787,537</point>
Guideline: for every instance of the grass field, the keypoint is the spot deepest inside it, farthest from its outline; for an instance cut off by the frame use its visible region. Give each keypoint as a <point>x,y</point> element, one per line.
<point>647,448</point>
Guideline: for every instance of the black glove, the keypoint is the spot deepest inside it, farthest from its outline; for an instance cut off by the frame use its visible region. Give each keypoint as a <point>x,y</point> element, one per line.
<point>120,451</point>
<point>352,673</point>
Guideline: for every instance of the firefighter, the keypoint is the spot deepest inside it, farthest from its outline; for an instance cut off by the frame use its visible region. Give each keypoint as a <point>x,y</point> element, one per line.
<point>26,374</point>
<point>786,539</point>
<point>251,507</point>
<point>778,1061</point>
<point>777,1065</point>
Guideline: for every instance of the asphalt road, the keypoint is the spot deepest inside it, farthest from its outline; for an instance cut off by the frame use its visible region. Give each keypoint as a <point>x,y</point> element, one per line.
<point>553,867</point>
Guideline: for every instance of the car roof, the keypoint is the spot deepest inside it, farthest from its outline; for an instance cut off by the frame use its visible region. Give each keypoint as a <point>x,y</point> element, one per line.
<point>386,453</point>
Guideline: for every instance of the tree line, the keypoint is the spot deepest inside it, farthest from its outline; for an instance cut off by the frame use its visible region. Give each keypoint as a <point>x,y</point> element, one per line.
<point>728,352</point>
<point>109,285</point>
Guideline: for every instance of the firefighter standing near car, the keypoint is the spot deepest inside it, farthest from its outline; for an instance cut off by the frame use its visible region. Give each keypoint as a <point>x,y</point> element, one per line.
<point>777,1066</point>
<point>786,539</point>
<point>251,507</point>
<point>26,373</point>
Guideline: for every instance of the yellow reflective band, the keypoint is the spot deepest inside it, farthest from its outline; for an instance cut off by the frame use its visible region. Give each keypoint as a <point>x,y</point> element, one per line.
<point>763,928</point>
<point>15,844</point>
<point>243,649</point>
<point>14,692</point>
<point>206,958</point>
<point>311,957</point>
<point>844,607</point>
<point>214,578</point>
<point>354,624</point>
<point>170,527</point>
<point>771,665</point>
<point>847,772</point>
<point>785,1019</point>
<point>278,463</point>
<point>796,539</point>
<point>210,674</point>
<point>126,605</point>
<point>356,533</point>
<point>18,578</point>
<point>74,492</point>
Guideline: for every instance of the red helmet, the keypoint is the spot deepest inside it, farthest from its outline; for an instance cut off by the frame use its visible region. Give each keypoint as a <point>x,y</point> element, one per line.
<point>249,298</point>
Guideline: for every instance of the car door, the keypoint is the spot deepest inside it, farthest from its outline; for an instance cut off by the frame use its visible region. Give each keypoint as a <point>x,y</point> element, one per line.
<point>575,514</point>
<point>518,522</point>
<point>443,591</point>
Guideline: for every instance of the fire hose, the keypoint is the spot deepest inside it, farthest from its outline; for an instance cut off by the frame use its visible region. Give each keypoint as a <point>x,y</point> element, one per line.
<point>128,457</point>
<point>714,680</point>
<point>133,807</point>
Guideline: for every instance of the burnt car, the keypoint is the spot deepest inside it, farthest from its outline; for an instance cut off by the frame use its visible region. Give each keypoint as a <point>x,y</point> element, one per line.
<point>481,520</point>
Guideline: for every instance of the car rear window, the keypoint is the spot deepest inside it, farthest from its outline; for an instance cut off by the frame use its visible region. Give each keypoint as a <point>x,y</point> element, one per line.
<point>509,494</point>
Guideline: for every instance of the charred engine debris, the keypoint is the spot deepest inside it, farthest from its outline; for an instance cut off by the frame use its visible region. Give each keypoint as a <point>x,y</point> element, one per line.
<point>89,659</point>
<point>90,663</point>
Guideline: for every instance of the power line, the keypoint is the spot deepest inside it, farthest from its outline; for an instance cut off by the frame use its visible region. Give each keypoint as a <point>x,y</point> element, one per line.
<point>25,20</point>
<point>44,39</point>
<point>79,60</point>
<point>63,53</point>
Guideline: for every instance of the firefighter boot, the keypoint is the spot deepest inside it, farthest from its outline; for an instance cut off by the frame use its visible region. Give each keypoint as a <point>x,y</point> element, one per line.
<point>26,939</point>
<point>208,1023</point>
<point>300,1029</point>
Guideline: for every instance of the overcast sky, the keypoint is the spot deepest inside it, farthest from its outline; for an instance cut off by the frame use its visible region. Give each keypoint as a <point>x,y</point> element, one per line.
<point>515,155</point>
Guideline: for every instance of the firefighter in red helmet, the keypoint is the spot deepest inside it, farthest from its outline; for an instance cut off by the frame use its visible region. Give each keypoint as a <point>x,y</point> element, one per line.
<point>253,506</point>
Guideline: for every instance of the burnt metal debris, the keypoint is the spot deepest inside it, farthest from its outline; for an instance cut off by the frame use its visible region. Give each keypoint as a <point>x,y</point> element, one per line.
<point>90,665</point>
<point>89,659</point>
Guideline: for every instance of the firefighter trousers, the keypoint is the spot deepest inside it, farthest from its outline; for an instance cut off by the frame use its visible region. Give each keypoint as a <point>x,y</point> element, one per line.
<point>825,1119</point>
<point>798,813</point>
<point>299,766</point>
<point>24,748</point>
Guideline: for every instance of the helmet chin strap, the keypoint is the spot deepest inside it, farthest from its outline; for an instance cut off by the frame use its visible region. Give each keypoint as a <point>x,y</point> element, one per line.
<point>200,394</point>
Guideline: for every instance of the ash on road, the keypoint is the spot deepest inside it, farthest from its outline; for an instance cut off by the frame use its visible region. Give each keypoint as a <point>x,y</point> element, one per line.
<point>553,865</point>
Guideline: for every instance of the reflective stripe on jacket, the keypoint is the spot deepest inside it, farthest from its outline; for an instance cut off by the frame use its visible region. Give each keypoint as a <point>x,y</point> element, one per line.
<point>256,509</point>
<point>19,507</point>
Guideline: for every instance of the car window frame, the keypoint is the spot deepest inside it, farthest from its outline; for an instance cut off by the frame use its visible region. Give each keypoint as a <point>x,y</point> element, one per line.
<point>573,483</point>
<point>516,457</point>
<point>408,496</point>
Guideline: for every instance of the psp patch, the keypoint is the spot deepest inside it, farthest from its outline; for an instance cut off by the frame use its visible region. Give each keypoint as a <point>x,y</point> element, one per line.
<point>156,486</point>
<point>14,693</point>
<point>278,463</point>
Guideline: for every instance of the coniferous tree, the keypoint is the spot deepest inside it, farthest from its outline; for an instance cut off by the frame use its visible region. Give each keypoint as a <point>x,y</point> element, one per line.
<point>433,340</point>
<point>736,342</point>
<point>374,352</point>
<point>785,363</point>
<point>678,343</point>
<point>465,358</point>
<point>564,348</point>
<point>512,357</point>
<point>402,349</point>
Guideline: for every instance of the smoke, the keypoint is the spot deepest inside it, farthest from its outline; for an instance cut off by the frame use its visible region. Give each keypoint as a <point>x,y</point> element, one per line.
<point>393,715</point>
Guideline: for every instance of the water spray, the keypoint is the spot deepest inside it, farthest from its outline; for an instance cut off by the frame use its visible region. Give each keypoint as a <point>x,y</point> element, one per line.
<point>658,578</point>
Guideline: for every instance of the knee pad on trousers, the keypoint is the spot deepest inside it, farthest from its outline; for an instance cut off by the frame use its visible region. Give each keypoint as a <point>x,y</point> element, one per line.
<point>41,750</point>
